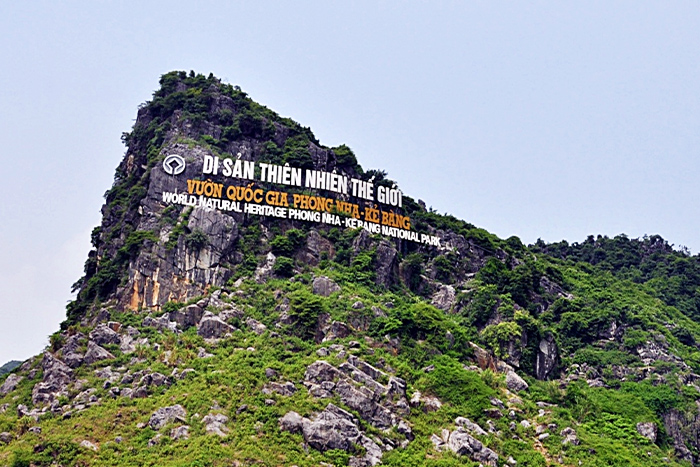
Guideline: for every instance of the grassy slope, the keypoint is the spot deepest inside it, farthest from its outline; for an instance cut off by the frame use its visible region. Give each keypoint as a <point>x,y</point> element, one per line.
<point>604,419</point>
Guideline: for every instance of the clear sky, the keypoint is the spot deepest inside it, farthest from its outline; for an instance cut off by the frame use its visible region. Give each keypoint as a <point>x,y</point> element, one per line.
<point>550,120</point>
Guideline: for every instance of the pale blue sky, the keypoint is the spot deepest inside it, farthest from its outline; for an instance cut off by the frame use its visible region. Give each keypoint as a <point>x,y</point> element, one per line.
<point>551,119</point>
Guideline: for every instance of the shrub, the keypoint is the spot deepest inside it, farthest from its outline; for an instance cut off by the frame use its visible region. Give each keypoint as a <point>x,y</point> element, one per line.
<point>304,309</point>
<point>284,266</point>
<point>464,389</point>
<point>196,240</point>
<point>498,336</point>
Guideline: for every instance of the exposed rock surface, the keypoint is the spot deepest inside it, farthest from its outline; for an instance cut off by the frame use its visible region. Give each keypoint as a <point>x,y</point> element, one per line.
<point>213,327</point>
<point>514,382</point>
<point>462,443</point>
<point>215,424</point>
<point>10,383</point>
<point>95,353</point>
<point>444,298</point>
<point>334,428</point>
<point>103,334</point>
<point>188,316</point>
<point>57,377</point>
<point>165,415</point>
<point>569,435</point>
<point>324,286</point>
<point>547,358</point>
<point>648,430</point>
<point>387,266</point>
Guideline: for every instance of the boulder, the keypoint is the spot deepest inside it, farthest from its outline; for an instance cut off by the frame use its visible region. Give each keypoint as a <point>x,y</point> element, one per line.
<point>215,424</point>
<point>570,437</point>
<point>213,327</point>
<point>547,358</point>
<point>5,437</point>
<point>337,330</point>
<point>10,384</point>
<point>88,445</point>
<point>515,383</point>
<point>95,353</point>
<point>256,326</point>
<point>370,411</point>
<point>165,415</point>
<point>57,376</point>
<point>431,404</point>
<point>103,334</point>
<point>180,432</point>
<point>320,371</point>
<point>73,359</point>
<point>292,422</point>
<point>283,389</point>
<point>188,316</point>
<point>333,428</point>
<point>462,443</point>
<point>386,264</point>
<point>444,299</point>
<point>470,426</point>
<point>324,286</point>
<point>483,358</point>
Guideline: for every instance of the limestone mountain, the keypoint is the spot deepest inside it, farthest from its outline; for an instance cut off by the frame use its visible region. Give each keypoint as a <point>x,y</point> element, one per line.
<point>254,297</point>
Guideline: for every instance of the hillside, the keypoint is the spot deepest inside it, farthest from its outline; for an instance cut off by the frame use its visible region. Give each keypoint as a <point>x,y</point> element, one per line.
<point>9,366</point>
<point>254,297</point>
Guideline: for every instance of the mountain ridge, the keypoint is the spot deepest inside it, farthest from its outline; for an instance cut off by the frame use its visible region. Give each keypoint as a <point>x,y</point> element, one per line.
<point>210,336</point>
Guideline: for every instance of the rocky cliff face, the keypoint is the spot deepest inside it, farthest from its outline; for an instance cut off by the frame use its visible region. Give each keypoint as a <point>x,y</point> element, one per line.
<point>203,333</point>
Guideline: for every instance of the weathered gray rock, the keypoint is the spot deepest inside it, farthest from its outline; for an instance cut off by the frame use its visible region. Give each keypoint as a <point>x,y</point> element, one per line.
<point>547,358</point>
<point>165,415</point>
<point>324,286</point>
<point>431,404</point>
<point>256,326</point>
<point>333,428</point>
<point>95,353</point>
<point>470,426</point>
<point>188,316</point>
<point>292,422</point>
<point>283,389</point>
<point>57,376</point>
<point>180,432</point>
<point>648,430</point>
<point>103,334</point>
<point>5,437</point>
<point>70,351</point>
<point>386,264</point>
<point>73,359</point>
<point>515,383</point>
<point>88,445</point>
<point>155,379</point>
<point>337,330</point>
<point>315,246</point>
<point>462,443</point>
<point>444,299</point>
<point>213,327</point>
<point>569,435</point>
<point>10,383</point>
<point>363,402</point>
<point>215,424</point>
<point>320,371</point>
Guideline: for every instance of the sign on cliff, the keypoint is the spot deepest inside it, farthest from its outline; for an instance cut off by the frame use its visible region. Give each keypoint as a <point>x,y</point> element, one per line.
<point>286,192</point>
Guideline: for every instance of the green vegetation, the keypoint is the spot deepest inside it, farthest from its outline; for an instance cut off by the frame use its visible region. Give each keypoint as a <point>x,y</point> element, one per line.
<point>621,315</point>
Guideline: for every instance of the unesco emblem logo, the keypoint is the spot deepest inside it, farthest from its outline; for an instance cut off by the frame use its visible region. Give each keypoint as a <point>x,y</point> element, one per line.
<point>174,164</point>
